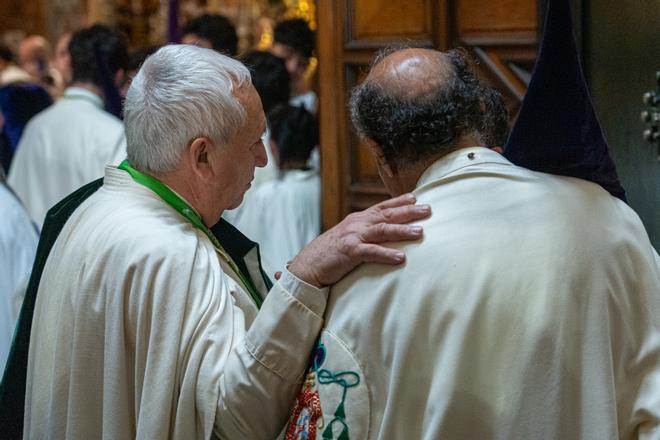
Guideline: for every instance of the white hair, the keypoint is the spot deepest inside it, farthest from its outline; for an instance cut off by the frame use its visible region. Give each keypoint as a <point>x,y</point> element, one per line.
<point>181,92</point>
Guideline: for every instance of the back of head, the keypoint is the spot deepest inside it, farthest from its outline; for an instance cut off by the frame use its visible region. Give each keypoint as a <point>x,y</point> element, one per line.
<point>295,131</point>
<point>180,93</point>
<point>217,29</point>
<point>33,47</point>
<point>419,103</point>
<point>269,77</point>
<point>297,35</point>
<point>137,57</point>
<point>94,49</point>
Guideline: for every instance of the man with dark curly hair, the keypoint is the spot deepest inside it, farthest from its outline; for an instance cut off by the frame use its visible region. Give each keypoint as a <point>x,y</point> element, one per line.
<point>529,310</point>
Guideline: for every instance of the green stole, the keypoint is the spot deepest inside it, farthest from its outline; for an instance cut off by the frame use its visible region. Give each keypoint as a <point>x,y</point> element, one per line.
<point>189,213</point>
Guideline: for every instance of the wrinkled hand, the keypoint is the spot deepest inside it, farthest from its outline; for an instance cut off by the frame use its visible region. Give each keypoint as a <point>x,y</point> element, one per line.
<point>355,240</point>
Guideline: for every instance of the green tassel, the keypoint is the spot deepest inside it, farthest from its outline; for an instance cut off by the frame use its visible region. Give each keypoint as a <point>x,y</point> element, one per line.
<point>339,413</point>
<point>343,435</point>
<point>327,432</point>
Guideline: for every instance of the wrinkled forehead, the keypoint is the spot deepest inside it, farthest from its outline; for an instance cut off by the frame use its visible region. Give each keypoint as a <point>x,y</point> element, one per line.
<point>411,72</point>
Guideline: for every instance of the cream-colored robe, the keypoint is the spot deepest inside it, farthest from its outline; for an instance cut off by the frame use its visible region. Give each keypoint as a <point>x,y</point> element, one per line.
<point>529,310</point>
<point>283,216</point>
<point>139,332</point>
<point>18,245</point>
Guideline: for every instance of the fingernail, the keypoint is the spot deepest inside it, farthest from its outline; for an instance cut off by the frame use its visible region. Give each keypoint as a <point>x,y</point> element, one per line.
<point>416,229</point>
<point>425,208</point>
<point>411,197</point>
<point>400,256</point>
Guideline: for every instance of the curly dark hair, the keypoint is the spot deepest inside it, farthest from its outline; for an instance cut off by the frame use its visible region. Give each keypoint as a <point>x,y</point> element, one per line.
<point>216,28</point>
<point>495,119</point>
<point>95,45</point>
<point>411,129</point>
<point>297,35</point>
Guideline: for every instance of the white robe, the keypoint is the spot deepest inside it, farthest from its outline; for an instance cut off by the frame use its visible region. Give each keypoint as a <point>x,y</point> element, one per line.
<point>284,215</point>
<point>529,310</point>
<point>140,332</point>
<point>62,148</point>
<point>18,245</point>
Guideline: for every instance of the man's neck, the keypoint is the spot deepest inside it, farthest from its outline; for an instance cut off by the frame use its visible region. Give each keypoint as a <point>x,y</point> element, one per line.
<point>185,188</point>
<point>89,87</point>
<point>409,176</point>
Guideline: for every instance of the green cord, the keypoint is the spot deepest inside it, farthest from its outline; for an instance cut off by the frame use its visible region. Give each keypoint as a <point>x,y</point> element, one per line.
<point>180,205</point>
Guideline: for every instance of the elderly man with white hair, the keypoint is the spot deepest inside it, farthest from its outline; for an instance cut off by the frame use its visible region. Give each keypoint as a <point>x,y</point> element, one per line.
<point>147,324</point>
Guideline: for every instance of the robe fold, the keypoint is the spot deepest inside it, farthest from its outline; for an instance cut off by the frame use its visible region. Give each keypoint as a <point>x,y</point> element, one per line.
<point>529,310</point>
<point>141,330</point>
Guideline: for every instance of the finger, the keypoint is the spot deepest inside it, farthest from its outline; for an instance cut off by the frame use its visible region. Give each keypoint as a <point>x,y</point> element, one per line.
<point>403,199</point>
<point>374,253</point>
<point>277,275</point>
<point>384,232</point>
<point>400,214</point>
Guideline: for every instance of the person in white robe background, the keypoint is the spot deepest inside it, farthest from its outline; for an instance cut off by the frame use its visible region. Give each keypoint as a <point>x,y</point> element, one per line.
<point>144,325</point>
<point>68,144</point>
<point>18,245</point>
<point>530,309</point>
<point>286,211</point>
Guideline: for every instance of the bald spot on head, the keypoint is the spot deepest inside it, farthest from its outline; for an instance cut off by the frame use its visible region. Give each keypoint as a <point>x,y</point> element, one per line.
<point>410,73</point>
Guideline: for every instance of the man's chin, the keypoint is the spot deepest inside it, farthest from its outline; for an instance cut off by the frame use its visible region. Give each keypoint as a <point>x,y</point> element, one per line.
<point>236,203</point>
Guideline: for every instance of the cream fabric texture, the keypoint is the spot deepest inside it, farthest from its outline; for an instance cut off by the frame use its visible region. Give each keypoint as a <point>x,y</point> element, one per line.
<point>283,216</point>
<point>529,310</point>
<point>139,333</point>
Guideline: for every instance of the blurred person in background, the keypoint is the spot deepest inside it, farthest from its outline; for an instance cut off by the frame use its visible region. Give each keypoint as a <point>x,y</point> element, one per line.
<point>68,144</point>
<point>211,31</point>
<point>295,42</point>
<point>18,245</point>
<point>34,54</point>
<point>286,211</point>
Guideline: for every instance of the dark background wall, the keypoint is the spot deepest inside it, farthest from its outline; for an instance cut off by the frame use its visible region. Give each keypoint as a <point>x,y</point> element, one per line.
<point>621,50</point>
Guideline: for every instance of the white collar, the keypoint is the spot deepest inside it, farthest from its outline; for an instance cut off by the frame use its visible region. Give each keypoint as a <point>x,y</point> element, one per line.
<point>456,160</point>
<point>83,94</point>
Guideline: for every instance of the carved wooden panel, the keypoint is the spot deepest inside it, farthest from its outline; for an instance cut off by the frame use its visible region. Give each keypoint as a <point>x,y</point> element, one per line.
<point>382,22</point>
<point>477,17</point>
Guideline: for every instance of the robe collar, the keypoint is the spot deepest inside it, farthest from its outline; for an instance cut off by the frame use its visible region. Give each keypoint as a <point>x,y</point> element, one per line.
<point>79,93</point>
<point>457,160</point>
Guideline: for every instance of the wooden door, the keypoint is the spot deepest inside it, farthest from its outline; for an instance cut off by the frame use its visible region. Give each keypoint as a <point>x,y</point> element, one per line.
<point>501,35</point>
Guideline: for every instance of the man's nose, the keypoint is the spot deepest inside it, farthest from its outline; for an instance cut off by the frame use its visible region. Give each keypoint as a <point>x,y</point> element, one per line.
<point>260,156</point>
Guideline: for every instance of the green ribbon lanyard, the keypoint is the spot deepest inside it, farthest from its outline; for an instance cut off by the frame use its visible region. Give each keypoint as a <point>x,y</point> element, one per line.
<point>185,210</point>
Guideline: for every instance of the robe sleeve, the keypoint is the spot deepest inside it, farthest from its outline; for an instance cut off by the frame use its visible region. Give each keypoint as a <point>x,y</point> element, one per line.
<point>265,369</point>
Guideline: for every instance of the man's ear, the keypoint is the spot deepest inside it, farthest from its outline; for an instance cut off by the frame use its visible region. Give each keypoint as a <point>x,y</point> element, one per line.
<point>377,152</point>
<point>198,156</point>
